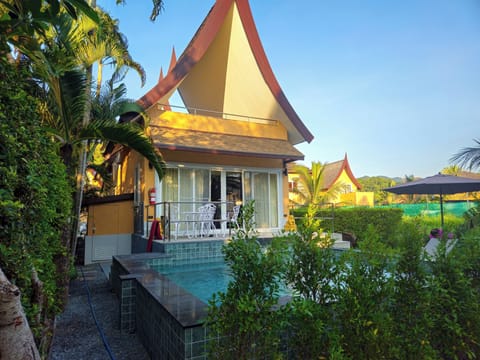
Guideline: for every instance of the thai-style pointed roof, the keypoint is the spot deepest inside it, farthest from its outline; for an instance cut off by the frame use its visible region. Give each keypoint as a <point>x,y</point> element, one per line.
<point>173,60</point>
<point>160,77</point>
<point>332,171</point>
<point>225,69</point>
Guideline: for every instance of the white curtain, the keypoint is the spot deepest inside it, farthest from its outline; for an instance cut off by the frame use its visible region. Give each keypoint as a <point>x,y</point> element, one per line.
<point>170,185</point>
<point>187,178</point>
<point>202,186</point>
<point>273,200</point>
<point>263,188</point>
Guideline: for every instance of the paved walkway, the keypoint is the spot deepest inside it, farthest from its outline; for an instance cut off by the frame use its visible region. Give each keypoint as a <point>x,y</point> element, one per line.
<point>77,335</point>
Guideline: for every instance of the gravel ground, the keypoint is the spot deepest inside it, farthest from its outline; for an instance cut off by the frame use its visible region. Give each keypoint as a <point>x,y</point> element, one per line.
<point>77,336</point>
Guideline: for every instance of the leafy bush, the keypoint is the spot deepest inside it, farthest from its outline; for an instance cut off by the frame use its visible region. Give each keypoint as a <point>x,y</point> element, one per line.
<point>356,220</point>
<point>243,322</point>
<point>312,272</point>
<point>363,298</point>
<point>374,302</point>
<point>35,202</point>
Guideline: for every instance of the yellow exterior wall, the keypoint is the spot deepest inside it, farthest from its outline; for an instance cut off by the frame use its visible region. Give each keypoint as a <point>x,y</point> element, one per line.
<point>345,180</point>
<point>292,197</point>
<point>472,196</point>
<point>125,175</point>
<point>111,218</point>
<point>365,198</point>
<point>358,198</point>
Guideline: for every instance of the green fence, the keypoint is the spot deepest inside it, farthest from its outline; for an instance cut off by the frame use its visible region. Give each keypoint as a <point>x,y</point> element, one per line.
<point>433,209</point>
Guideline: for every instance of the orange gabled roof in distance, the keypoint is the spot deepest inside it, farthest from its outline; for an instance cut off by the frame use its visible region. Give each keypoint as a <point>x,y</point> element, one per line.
<point>334,170</point>
<point>213,31</point>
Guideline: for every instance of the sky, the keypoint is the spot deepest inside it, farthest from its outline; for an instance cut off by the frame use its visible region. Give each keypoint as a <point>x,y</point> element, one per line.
<point>395,85</point>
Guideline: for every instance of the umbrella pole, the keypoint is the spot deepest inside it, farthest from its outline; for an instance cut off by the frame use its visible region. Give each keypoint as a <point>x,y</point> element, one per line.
<point>441,208</point>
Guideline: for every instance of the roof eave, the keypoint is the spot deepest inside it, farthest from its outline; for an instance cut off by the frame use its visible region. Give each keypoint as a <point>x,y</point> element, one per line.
<point>286,158</point>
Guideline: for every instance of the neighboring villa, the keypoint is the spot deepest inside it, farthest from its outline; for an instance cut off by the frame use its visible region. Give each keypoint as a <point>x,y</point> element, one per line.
<point>338,172</point>
<point>231,143</point>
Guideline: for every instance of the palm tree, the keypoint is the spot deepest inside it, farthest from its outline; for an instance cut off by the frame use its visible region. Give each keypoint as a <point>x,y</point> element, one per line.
<point>70,48</point>
<point>35,29</point>
<point>23,23</point>
<point>408,198</point>
<point>468,157</point>
<point>112,49</point>
<point>311,185</point>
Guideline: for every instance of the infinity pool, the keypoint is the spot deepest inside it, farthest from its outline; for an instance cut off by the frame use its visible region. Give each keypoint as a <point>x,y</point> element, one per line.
<point>164,296</point>
<point>201,280</point>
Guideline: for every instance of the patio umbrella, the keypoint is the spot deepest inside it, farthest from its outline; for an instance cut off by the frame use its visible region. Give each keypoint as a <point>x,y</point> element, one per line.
<point>439,184</point>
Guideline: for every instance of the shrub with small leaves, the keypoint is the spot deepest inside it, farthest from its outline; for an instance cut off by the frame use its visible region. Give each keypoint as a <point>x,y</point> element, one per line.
<point>35,201</point>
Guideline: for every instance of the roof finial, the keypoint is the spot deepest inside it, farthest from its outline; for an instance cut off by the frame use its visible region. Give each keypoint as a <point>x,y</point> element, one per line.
<point>173,60</point>
<point>160,78</point>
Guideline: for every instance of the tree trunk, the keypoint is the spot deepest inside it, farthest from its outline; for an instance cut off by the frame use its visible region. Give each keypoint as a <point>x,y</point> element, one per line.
<point>99,78</point>
<point>82,165</point>
<point>16,339</point>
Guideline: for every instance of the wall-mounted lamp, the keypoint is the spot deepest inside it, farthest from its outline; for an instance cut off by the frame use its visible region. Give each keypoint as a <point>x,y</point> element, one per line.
<point>285,171</point>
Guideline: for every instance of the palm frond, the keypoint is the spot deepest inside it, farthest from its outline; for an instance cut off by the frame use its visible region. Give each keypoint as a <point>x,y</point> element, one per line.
<point>82,5</point>
<point>157,8</point>
<point>115,47</point>
<point>110,104</point>
<point>468,157</point>
<point>128,134</point>
<point>72,100</point>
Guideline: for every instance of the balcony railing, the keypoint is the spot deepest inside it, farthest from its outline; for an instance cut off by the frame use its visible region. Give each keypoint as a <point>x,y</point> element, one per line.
<point>218,114</point>
<point>187,219</point>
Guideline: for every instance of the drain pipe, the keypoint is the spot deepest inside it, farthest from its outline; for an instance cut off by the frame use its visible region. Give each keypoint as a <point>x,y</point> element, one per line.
<point>100,330</point>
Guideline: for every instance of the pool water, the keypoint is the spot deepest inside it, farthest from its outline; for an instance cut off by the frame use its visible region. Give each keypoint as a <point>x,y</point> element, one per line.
<point>201,280</point>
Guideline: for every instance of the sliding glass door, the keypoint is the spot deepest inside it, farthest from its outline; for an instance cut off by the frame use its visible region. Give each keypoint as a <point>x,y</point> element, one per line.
<point>192,187</point>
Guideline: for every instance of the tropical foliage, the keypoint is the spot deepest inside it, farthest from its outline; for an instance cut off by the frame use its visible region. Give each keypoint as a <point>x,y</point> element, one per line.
<point>49,122</point>
<point>243,320</point>
<point>376,184</point>
<point>468,157</point>
<point>311,187</point>
<point>35,204</point>
<point>373,303</point>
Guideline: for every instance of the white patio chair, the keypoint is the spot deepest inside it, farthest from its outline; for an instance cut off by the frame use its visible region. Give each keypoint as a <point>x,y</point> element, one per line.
<point>431,249</point>
<point>234,218</point>
<point>207,224</point>
<point>174,221</point>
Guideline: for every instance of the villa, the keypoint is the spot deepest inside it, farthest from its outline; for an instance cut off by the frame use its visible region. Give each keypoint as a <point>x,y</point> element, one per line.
<point>229,143</point>
<point>337,172</point>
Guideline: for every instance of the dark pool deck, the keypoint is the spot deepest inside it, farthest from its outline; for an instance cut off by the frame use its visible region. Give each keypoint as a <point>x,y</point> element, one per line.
<point>168,320</point>
<point>77,336</point>
<point>187,309</point>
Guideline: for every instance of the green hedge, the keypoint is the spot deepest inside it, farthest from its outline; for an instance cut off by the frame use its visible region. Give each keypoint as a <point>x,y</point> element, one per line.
<point>35,202</point>
<point>371,303</point>
<point>356,220</point>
